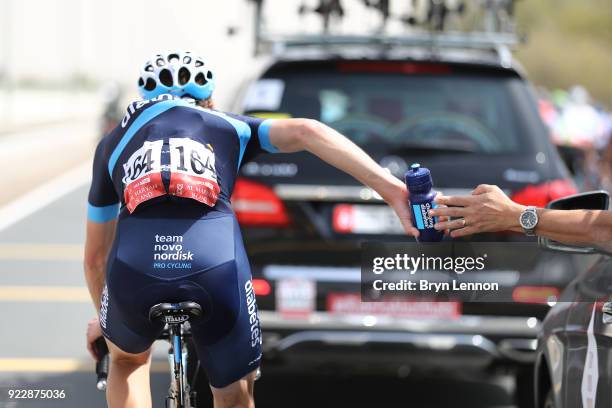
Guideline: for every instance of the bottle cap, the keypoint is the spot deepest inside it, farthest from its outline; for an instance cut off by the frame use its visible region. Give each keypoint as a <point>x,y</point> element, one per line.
<point>418,178</point>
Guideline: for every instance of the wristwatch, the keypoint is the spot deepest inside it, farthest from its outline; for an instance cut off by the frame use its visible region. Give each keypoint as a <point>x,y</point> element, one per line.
<point>529,220</point>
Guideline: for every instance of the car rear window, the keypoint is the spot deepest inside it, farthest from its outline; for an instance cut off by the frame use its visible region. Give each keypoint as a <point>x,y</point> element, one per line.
<point>430,106</point>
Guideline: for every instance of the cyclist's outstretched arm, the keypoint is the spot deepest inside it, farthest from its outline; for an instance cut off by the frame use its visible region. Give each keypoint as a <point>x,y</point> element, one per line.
<point>292,135</point>
<point>98,242</point>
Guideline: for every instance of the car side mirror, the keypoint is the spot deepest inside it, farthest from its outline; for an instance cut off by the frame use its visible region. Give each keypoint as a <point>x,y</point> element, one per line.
<point>592,200</point>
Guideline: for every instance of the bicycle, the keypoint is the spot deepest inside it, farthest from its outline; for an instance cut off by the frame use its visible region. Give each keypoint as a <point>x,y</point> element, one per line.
<point>174,316</point>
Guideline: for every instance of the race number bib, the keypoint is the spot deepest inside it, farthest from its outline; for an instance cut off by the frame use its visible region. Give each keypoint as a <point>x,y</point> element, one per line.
<point>193,173</point>
<point>142,177</point>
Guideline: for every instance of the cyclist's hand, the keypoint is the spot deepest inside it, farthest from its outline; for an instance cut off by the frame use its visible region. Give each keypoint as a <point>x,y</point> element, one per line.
<point>399,203</point>
<point>94,332</point>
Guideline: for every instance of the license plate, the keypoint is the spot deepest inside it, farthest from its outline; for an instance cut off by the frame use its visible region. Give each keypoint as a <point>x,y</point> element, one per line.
<point>296,297</point>
<point>366,219</point>
<point>351,304</point>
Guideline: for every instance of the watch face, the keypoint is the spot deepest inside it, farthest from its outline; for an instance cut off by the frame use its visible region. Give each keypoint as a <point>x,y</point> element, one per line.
<point>528,220</point>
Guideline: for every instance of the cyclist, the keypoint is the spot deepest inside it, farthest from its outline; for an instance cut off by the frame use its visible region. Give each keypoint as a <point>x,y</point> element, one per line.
<point>170,166</point>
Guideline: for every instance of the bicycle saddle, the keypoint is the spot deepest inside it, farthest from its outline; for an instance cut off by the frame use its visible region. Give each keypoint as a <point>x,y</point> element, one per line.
<point>174,313</point>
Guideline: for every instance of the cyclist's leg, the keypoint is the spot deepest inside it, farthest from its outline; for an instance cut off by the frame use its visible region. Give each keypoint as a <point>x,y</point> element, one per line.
<point>128,378</point>
<point>129,344</point>
<point>228,340</point>
<point>129,334</point>
<point>237,394</point>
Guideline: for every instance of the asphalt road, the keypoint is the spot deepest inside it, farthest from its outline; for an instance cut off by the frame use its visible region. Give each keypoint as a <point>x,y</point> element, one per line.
<point>44,308</point>
<point>37,152</point>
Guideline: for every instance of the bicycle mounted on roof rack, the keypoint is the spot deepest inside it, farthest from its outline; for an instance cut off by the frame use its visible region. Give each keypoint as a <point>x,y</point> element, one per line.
<point>497,33</point>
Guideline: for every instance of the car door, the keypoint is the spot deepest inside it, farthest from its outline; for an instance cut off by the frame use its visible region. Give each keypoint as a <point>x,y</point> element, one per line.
<point>588,375</point>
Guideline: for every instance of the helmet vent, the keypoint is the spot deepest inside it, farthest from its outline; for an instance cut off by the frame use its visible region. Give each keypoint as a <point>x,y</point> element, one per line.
<point>165,77</point>
<point>172,71</point>
<point>200,80</point>
<point>150,85</point>
<point>183,76</point>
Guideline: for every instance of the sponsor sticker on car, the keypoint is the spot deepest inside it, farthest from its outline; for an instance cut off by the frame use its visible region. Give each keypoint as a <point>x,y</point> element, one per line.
<point>351,304</point>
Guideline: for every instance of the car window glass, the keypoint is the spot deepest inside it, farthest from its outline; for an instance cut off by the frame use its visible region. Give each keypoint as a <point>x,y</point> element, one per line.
<point>471,111</point>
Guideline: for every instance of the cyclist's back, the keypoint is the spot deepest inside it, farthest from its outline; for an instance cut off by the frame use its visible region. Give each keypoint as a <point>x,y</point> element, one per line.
<point>171,167</point>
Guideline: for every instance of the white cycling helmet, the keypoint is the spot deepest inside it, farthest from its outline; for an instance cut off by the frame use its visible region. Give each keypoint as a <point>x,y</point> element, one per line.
<point>178,73</point>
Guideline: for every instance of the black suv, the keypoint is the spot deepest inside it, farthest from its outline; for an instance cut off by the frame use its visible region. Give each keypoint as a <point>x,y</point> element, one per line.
<point>466,114</point>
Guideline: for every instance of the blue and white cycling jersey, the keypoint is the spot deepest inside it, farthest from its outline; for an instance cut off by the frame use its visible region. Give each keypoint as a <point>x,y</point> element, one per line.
<point>168,147</point>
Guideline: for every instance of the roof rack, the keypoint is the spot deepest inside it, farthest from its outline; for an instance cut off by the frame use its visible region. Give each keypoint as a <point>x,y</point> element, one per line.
<point>476,40</point>
<point>496,35</point>
<point>498,43</point>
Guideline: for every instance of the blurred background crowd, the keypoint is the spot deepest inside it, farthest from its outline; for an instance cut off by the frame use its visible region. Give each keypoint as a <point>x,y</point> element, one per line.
<point>568,56</point>
<point>581,128</point>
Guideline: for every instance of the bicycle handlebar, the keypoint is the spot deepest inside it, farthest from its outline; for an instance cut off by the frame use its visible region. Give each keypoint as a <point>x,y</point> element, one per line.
<point>102,364</point>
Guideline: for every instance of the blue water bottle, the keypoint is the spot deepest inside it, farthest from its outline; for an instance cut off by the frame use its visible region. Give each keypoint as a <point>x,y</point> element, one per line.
<point>420,183</point>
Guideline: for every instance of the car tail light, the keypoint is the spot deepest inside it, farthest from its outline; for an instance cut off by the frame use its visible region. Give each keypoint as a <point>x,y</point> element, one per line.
<point>343,218</point>
<point>256,205</point>
<point>535,294</point>
<point>541,194</point>
<point>261,287</point>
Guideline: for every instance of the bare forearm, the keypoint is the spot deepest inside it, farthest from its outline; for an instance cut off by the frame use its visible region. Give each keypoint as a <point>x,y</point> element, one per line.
<point>335,149</point>
<point>575,226</point>
<point>94,276</point>
<point>293,135</point>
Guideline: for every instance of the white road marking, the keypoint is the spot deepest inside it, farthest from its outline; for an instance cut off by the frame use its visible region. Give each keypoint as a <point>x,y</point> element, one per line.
<point>44,195</point>
<point>61,365</point>
<point>40,252</point>
<point>44,294</point>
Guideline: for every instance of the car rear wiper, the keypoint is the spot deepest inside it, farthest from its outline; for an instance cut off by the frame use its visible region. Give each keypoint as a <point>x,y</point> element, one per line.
<point>427,147</point>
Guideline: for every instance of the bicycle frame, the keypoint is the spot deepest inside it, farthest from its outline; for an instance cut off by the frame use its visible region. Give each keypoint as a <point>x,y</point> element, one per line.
<point>179,392</point>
